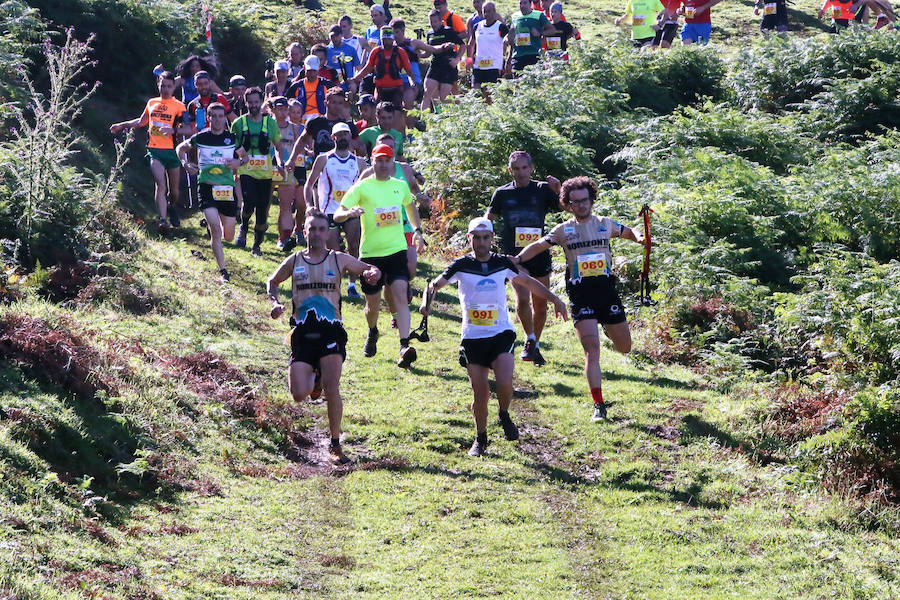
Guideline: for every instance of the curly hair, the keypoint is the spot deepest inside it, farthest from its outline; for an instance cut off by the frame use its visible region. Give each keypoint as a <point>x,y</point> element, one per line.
<point>577,183</point>
<point>206,64</point>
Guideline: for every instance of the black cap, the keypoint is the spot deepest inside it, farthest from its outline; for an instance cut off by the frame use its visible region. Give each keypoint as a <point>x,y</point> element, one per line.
<point>237,80</point>
<point>366,99</point>
<point>279,101</point>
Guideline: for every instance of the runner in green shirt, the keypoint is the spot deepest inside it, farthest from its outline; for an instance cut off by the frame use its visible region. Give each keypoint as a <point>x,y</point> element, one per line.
<point>384,115</point>
<point>378,201</point>
<point>641,14</point>
<point>525,36</point>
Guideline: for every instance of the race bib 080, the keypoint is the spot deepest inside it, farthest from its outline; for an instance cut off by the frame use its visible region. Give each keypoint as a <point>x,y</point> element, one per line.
<point>527,235</point>
<point>484,315</point>
<point>592,265</point>
<point>387,216</point>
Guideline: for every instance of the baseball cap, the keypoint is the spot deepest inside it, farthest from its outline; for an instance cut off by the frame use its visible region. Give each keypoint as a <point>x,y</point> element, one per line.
<point>339,127</point>
<point>387,32</point>
<point>382,150</point>
<point>279,101</point>
<point>282,65</point>
<point>311,62</point>
<point>335,29</point>
<point>377,8</point>
<point>482,224</point>
<point>366,99</point>
<point>201,75</point>
<point>237,80</point>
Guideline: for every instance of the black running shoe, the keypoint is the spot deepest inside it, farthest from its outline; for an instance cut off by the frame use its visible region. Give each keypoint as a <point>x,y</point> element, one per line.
<point>408,356</point>
<point>478,448</point>
<point>241,241</point>
<point>225,276</point>
<point>337,454</point>
<point>537,358</point>
<point>288,244</point>
<point>528,351</point>
<point>509,428</point>
<point>256,251</point>
<point>174,217</point>
<point>599,413</point>
<point>371,346</point>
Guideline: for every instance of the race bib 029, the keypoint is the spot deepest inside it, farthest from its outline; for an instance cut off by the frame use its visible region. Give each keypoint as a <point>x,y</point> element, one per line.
<point>484,315</point>
<point>258,162</point>
<point>387,216</point>
<point>592,265</point>
<point>527,235</point>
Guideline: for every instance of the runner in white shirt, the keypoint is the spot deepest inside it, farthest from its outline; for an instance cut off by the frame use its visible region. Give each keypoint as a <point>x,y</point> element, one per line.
<point>332,174</point>
<point>487,333</point>
<point>487,47</point>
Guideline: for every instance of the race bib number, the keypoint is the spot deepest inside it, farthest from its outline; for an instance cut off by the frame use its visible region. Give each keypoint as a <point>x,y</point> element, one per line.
<point>276,176</point>
<point>258,163</point>
<point>555,43</point>
<point>638,20</point>
<point>592,265</point>
<point>769,9</point>
<point>523,39</point>
<point>485,63</point>
<point>527,235</point>
<point>836,12</point>
<point>223,193</point>
<point>387,216</point>
<point>689,12</point>
<point>339,195</point>
<point>484,315</point>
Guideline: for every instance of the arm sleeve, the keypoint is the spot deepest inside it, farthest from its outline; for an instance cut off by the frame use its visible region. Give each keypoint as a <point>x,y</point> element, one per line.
<point>450,273</point>
<point>494,207</point>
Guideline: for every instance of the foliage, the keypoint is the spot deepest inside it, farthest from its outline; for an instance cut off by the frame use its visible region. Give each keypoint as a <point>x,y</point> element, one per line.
<point>22,28</point>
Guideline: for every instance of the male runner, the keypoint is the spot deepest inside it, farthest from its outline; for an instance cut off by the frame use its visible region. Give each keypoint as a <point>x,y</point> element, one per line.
<point>487,46</point>
<point>256,133</point>
<point>379,200</point>
<point>525,36</point>
<point>318,131</point>
<point>291,207</point>
<point>216,148</point>
<point>523,205</point>
<point>235,95</point>
<point>366,107</point>
<point>385,116</point>
<point>387,62</point>
<point>165,117</point>
<point>318,338</point>
<point>356,41</point>
<point>205,96</point>
<point>641,14</point>
<point>590,282</point>
<point>442,73</point>
<point>558,41</point>
<point>451,20</point>
<point>310,90</point>
<point>335,172</point>
<point>281,84</point>
<point>487,334</point>
<point>697,21</point>
<point>342,57</point>
<point>475,18</point>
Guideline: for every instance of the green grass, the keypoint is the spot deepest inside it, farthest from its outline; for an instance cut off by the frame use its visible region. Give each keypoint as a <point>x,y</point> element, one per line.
<point>660,502</point>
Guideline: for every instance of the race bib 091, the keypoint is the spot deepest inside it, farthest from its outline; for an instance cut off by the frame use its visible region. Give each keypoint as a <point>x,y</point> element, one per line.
<point>484,315</point>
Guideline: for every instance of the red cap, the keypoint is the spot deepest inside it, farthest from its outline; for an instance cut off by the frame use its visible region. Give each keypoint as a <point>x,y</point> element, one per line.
<point>382,150</point>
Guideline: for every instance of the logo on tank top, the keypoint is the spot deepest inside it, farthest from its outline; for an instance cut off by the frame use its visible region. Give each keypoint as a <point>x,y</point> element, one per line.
<point>329,273</point>
<point>486,285</point>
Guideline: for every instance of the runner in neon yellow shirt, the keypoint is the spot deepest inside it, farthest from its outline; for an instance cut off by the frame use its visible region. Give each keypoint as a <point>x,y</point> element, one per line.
<point>378,201</point>
<point>642,16</point>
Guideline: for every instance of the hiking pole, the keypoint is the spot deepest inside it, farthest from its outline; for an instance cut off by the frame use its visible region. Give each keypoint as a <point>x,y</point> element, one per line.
<point>421,332</point>
<point>646,300</point>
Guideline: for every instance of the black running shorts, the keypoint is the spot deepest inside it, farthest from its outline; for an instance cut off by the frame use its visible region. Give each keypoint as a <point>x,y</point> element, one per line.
<point>227,208</point>
<point>484,351</point>
<point>596,298</point>
<point>392,267</point>
<point>313,339</point>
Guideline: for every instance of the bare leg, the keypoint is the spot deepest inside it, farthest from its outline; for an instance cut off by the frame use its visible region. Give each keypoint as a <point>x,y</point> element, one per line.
<point>539,309</point>
<point>330,367</point>
<point>301,378</point>
<point>481,390</point>
<point>215,235</point>
<point>620,335</point>
<point>160,178</point>
<point>398,289</point>
<point>590,342</point>
<point>503,373</point>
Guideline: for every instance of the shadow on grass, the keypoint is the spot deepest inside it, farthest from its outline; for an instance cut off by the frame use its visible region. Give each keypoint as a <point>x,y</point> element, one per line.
<point>665,382</point>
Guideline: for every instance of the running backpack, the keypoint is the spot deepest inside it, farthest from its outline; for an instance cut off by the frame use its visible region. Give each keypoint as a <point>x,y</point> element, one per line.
<point>262,138</point>
<point>381,65</point>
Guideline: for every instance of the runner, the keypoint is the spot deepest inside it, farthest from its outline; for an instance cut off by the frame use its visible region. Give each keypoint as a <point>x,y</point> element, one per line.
<point>282,83</point>
<point>185,71</point>
<point>487,47</point>
<point>215,149</point>
<point>294,54</point>
<point>590,282</point>
<point>415,49</point>
<point>310,90</point>
<point>442,73</point>
<point>355,41</point>
<point>386,62</point>
<point>525,36</point>
<point>373,31</point>
<point>318,338</point>
<point>523,205</point>
<point>205,96</point>
<point>667,24</point>
<point>841,14</point>
<point>256,133</point>
<point>366,107</point>
<point>343,58</point>
<point>378,201</point>
<point>237,86</point>
<point>385,116</point>
<point>488,337</point>
<point>774,15</point>
<point>475,18</point>
<point>291,207</point>
<point>164,115</point>
<point>641,15</point>
<point>697,21</point>
<point>335,172</point>
<point>558,41</point>
<point>326,74</point>
<point>317,136</point>
<point>404,172</point>
<point>451,20</point>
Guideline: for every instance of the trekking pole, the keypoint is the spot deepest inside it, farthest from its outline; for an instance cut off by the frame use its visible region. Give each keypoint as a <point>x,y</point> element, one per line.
<point>421,332</point>
<point>646,300</point>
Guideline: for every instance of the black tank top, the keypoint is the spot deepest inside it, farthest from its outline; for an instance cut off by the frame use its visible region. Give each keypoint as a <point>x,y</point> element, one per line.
<point>413,55</point>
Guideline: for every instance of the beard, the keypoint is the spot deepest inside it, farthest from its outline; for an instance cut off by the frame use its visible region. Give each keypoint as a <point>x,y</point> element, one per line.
<point>343,144</point>
<point>254,111</point>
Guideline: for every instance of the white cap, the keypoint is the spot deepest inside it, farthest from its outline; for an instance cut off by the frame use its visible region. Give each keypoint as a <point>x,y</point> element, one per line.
<point>377,8</point>
<point>282,65</point>
<point>481,223</point>
<point>311,62</point>
<point>339,127</point>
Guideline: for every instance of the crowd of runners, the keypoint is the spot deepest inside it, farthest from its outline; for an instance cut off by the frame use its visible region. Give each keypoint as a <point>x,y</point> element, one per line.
<point>324,135</point>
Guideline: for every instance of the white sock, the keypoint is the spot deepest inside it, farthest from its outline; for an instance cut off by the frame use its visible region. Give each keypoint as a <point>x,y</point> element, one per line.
<point>532,337</point>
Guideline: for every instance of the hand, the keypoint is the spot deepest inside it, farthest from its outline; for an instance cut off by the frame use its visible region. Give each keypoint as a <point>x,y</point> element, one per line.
<point>446,46</point>
<point>277,310</point>
<point>115,128</point>
<point>554,183</point>
<point>560,308</point>
<point>513,259</point>
<point>420,241</point>
<point>756,11</point>
<point>372,275</point>
<point>166,130</point>
<point>191,168</point>
<point>233,163</point>
<point>424,310</point>
<point>356,211</point>
<point>158,67</point>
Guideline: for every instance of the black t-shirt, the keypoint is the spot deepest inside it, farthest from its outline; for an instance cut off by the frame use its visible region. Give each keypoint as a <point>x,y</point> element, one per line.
<point>566,31</point>
<point>320,130</point>
<point>443,35</point>
<point>522,208</point>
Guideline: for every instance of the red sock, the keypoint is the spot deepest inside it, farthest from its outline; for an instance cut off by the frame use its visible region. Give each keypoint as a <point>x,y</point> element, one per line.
<point>597,395</point>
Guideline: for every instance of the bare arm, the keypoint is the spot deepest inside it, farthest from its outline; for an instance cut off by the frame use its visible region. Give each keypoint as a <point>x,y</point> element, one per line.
<point>313,178</point>
<point>282,273</point>
<point>540,290</point>
<point>430,292</point>
<point>533,249</point>
<point>353,265</point>
<point>299,147</point>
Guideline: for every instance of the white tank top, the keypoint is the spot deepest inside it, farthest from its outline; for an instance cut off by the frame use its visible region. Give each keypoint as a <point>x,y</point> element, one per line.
<point>488,46</point>
<point>337,177</point>
<point>354,41</point>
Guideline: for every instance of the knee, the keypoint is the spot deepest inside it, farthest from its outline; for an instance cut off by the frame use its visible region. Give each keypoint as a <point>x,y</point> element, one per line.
<point>623,346</point>
<point>300,395</point>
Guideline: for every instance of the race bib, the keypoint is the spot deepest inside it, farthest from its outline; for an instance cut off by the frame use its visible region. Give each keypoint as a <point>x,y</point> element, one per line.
<point>484,315</point>
<point>223,193</point>
<point>638,20</point>
<point>836,12</point>
<point>592,265</point>
<point>527,235</point>
<point>258,163</point>
<point>555,43</point>
<point>523,39</point>
<point>156,128</point>
<point>276,176</point>
<point>769,9</point>
<point>485,63</point>
<point>339,195</point>
<point>373,43</point>
<point>387,216</point>
<point>689,12</point>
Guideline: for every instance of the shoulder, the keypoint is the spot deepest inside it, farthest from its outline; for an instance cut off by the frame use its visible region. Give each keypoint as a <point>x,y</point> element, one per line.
<point>500,262</point>
<point>460,265</point>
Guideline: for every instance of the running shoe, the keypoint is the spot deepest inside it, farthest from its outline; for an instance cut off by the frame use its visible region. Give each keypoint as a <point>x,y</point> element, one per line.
<point>225,276</point>
<point>337,454</point>
<point>174,217</point>
<point>371,346</point>
<point>408,356</point>
<point>509,428</point>
<point>256,251</point>
<point>537,358</point>
<point>528,351</point>
<point>279,245</point>
<point>164,226</point>
<point>288,244</point>
<point>241,241</point>
<point>301,239</point>
<point>599,413</point>
<point>351,291</point>
<point>478,448</point>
